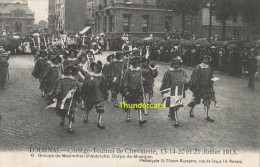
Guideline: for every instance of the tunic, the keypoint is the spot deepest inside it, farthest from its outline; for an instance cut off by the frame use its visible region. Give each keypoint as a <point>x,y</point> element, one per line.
<point>175,80</point>
<point>50,77</point>
<point>132,83</point>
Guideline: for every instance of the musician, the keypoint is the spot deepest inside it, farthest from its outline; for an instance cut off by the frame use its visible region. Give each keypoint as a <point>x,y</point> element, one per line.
<point>133,87</point>
<point>39,68</point>
<point>201,84</point>
<point>50,76</point>
<point>149,77</point>
<point>106,71</point>
<point>117,66</point>
<point>175,80</point>
<point>3,68</point>
<point>66,93</point>
<point>95,92</point>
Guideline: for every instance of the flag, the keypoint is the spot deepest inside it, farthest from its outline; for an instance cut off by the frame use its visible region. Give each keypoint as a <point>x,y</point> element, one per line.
<point>63,104</point>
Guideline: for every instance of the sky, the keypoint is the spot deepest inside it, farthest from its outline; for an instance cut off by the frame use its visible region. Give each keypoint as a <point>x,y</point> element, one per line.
<point>40,9</point>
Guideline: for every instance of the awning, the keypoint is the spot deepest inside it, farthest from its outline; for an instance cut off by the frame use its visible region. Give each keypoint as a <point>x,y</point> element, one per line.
<point>85,30</point>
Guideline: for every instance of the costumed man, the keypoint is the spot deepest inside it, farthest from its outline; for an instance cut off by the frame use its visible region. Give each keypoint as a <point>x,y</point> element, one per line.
<point>66,93</point>
<point>51,75</point>
<point>106,71</point>
<point>252,68</point>
<point>39,67</point>
<point>149,80</point>
<point>117,67</point>
<point>71,60</point>
<point>95,92</point>
<point>133,87</point>
<point>96,49</point>
<point>82,69</point>
<point>201,84</point>
<point>3,69</point>
<point>173,88</point>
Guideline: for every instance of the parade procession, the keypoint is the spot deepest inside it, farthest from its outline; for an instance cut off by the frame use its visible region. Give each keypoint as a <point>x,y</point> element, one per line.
<point>129,74</point>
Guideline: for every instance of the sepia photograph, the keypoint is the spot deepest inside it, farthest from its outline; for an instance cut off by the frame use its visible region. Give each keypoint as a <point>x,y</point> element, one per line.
<point>129,83</point>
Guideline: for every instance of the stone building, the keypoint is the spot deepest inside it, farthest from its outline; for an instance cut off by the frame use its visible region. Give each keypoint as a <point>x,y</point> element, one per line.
<point>138,17</point>
<point>16,17</point>
<point>51,16</point>
<point>70,15</point>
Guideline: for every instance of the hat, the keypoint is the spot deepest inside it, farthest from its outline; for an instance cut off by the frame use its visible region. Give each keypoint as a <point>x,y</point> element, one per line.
<point>213,47</point>
<point>176,60</point>
<point>135,59</point>
<point>94,43</point>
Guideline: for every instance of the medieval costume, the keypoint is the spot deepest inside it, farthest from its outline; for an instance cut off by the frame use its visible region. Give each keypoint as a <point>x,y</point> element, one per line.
<point>117,67</point>
<point>133,87</point>
<point>50,77</point>
<point>71,60</point>
<point>106,71</point>
<point>201,84</point>
<point>252,68</point>
<point>39,68</point>
<point>3,69</point>
<point>95,92</point>
<point>173,88</point>
<point>66,94</point>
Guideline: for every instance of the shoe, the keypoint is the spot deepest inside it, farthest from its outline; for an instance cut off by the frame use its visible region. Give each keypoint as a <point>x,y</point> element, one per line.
<point>141,122</point>
<point>128,119</point>
<point>85,120</point>
<point>69,130</point>
<point>176,125</point>
<point>62,123</point>
<point>210,120</point>
<point>191,114</point>
<point>100,126</point>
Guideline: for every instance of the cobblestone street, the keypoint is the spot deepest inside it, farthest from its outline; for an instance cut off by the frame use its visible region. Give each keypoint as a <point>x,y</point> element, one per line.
<point>25,123</point>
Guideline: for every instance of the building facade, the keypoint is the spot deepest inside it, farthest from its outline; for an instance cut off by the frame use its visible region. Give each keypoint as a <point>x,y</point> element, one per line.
<point>70,15</point>
<point>137,17</point>
<point>51,16</point>
<point>234,27</point>
<point>16,17</point>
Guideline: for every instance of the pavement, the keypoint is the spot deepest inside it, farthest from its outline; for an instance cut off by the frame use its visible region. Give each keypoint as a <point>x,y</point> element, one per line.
<point>25,123</point>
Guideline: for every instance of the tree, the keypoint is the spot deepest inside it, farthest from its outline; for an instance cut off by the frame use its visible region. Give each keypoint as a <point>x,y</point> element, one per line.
<point>251,13</point>
<point>223,10</point>
<point>184,7</point>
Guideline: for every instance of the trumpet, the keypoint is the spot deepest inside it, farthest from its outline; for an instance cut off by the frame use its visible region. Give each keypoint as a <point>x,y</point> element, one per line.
<point>153,66</point>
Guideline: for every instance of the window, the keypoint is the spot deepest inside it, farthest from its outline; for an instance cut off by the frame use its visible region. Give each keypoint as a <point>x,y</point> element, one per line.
<point>126,1</point>
<point>145,23</point>
<point>145,2</point>
<point>111,24</point>
<point>126,23</point>
<point>167,24</point>
<point>105,24</point>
